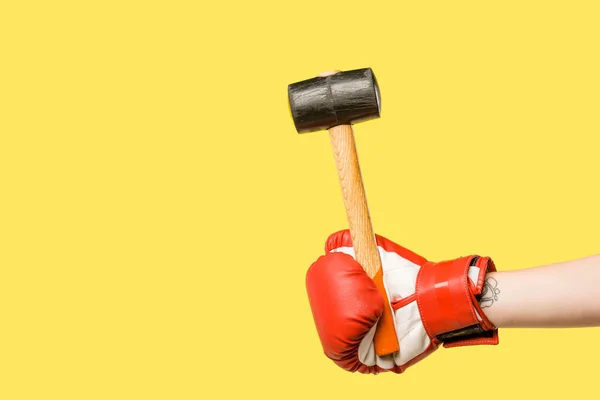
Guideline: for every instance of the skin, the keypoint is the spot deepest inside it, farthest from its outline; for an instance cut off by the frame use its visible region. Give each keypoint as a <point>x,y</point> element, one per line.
<point>560,295</point>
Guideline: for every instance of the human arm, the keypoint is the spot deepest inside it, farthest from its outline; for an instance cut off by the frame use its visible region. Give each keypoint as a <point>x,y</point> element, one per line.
<point>559,295</point>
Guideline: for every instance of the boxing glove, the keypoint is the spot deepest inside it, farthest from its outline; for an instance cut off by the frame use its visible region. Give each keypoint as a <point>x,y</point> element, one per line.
<point>432,304</point>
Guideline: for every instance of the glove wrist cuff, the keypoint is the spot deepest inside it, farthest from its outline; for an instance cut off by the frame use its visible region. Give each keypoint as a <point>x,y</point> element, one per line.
<point>446,296</point>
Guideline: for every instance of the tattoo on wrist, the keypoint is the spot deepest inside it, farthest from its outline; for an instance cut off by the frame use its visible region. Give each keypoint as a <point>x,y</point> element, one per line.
<point>489,293</point>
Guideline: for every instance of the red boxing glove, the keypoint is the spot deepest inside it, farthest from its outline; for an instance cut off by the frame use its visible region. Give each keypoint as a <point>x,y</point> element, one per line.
<point>433,304</point>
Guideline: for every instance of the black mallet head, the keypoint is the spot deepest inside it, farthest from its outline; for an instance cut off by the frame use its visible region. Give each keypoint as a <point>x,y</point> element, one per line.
<point>343,98</point>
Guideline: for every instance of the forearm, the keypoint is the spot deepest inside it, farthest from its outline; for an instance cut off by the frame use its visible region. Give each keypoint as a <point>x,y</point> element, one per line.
<point>560,295</point>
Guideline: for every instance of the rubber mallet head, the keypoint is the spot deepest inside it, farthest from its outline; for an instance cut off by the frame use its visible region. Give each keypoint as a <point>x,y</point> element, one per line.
<point>335,102</point>
<point>343,98</point>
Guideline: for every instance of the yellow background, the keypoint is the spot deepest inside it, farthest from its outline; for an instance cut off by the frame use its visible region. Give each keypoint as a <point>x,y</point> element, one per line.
<point>159,211</point>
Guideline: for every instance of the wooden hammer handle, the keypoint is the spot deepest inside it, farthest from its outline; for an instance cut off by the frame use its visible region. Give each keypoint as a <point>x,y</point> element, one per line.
<point>355,199</point>
<point>361,228</point>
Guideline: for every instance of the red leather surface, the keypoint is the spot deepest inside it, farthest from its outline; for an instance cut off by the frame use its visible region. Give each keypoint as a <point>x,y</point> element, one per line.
<point>345,304</point>
<point>443,296</point>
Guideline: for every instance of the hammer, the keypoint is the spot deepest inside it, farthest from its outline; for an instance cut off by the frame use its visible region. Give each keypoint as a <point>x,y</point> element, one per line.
<point>334,101</point>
